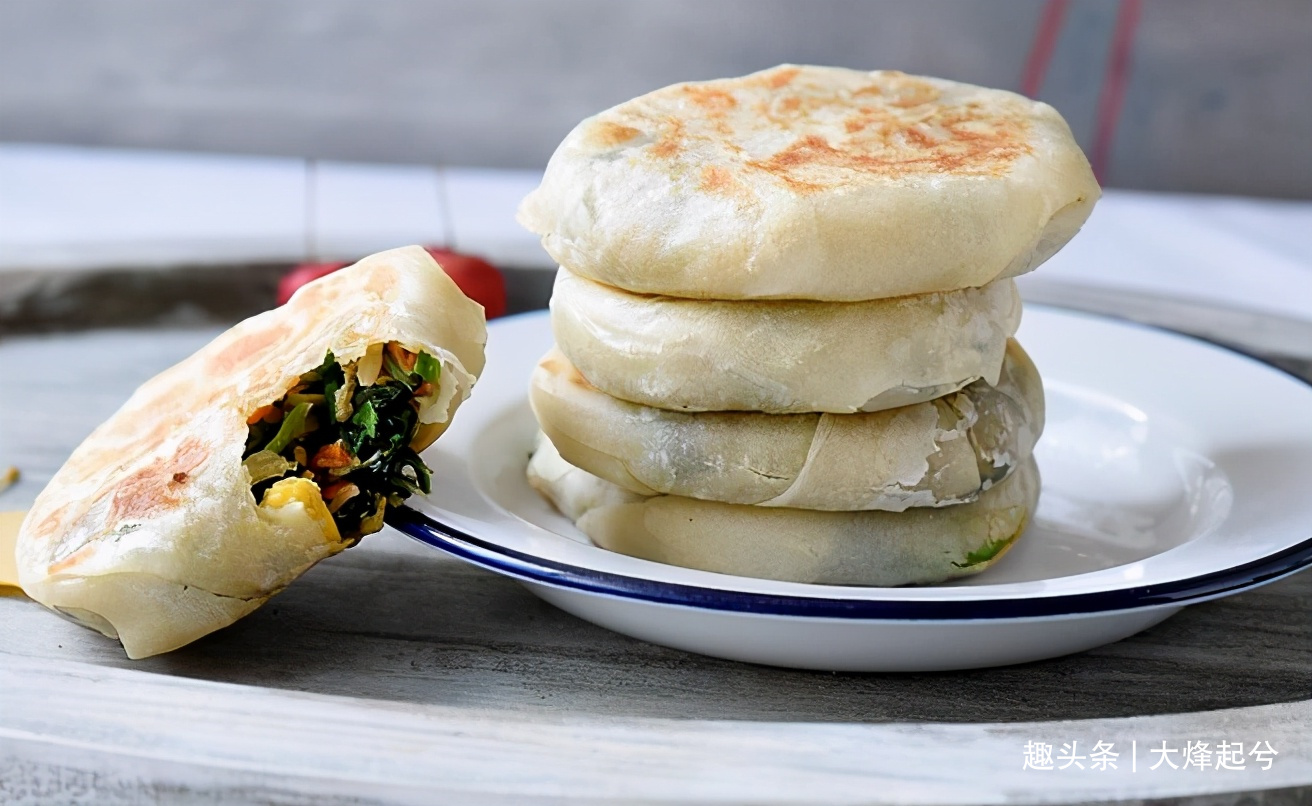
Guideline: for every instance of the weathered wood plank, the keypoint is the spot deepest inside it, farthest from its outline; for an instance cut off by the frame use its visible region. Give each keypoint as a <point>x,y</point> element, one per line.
<point>249,740</point>
<point>387,621</point>
<point>395,674</point>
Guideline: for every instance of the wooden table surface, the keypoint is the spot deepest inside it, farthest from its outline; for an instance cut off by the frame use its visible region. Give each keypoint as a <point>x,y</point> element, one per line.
<point>395,674</point>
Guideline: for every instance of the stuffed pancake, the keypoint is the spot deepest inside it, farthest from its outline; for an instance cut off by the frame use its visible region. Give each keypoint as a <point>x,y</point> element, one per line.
<point>806,182</point>
<point>280,443</point>
<point>782,356</point>
<point>918,546</point>
<point>937,453</point>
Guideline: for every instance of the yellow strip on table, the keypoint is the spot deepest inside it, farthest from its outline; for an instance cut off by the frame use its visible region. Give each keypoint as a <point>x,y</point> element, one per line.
<point>9,523</point>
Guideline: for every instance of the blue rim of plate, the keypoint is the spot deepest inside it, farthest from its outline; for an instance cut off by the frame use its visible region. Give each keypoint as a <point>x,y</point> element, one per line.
<point>1175,593</point>
<point>563,575</point>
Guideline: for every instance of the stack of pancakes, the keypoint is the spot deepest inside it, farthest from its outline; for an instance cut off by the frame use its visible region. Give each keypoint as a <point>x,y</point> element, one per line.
<point>784,317</point>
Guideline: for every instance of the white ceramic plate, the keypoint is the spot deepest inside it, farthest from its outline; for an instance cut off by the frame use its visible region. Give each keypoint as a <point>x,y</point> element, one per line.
<point>1174,472</point>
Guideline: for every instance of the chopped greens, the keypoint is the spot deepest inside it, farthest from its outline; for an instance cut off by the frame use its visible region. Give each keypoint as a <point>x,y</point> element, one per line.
<point>367,419</point>
<point>293,426</point>
<point>265,465</point>
<point>986,552</point>
<point>352,440</point>
<point>397,372</point>
<point>428,368</point>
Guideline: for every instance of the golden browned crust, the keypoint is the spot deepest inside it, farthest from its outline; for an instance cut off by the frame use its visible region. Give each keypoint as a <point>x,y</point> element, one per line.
<point>812,183</point>
<point>893,126</point>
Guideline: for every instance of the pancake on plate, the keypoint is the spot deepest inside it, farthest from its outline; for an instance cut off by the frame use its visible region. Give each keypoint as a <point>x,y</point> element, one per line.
<point>784,319</point>
<point>937,453</point>
<point>782,356</point>
<point>804,182</point>
<point>795,545</point>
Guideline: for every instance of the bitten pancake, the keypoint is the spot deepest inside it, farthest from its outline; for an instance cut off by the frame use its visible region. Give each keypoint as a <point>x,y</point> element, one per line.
<point>941,452</point>
<point>812,183</point>
<point>782,356</point>
<point>919,546</point>
<point>208,491</point>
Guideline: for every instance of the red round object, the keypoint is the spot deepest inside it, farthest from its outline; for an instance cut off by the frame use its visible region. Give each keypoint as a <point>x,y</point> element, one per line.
<point>479,279</point>
<point>302,274</point>
<point>476,278</point>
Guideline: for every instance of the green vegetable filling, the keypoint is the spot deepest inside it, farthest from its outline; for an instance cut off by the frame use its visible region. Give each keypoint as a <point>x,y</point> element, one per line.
<point>986,552</point>
<point>353,441</point>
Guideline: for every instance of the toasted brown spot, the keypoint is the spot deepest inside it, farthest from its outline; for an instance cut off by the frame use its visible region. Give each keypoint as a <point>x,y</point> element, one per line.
<point>152,487</point>
<point>913,93</point>
<point>829,134</point>
<point>920,138</point>
<point>50,524</point>
<point>608,134</point>
<point>670,142</point>
<point>240,353</point>
<point>71,560</point>
<point>883,144</point>
<point>382,280</point>
<point>711,99</point>
<point>717,179</point>
<point>782,77</point>
<point>665,149</point>
<point>810,149</point>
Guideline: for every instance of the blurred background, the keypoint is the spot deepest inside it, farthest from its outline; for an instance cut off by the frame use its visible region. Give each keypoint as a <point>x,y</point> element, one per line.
<point>168,168</point>
<point>1199,95</point>
<point>138,136</point>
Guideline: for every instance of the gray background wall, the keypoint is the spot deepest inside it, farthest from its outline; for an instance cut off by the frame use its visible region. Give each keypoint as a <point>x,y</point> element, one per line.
<point>1219,99</point>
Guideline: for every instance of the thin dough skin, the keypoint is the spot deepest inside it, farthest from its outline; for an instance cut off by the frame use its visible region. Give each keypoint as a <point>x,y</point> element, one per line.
<point>782,356</point>
<point>938,453</point>
<point>150,532</point>
<point>818,183</point>
<point>920,546</point>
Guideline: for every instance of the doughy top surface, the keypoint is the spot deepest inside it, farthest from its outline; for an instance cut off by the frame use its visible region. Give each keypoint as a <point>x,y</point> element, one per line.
<point>817,183</point>
<point>814,129</point>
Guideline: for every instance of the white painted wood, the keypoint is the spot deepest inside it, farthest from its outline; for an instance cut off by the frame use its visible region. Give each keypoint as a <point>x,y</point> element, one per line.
<point>142,728</point>
<point>483,202</point>
<point>77,208</point>
<point>357,209</point>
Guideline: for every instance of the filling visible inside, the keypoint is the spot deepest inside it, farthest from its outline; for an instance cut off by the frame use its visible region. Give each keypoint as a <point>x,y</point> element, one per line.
<point>991,549</point>
<point>349,428</point>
